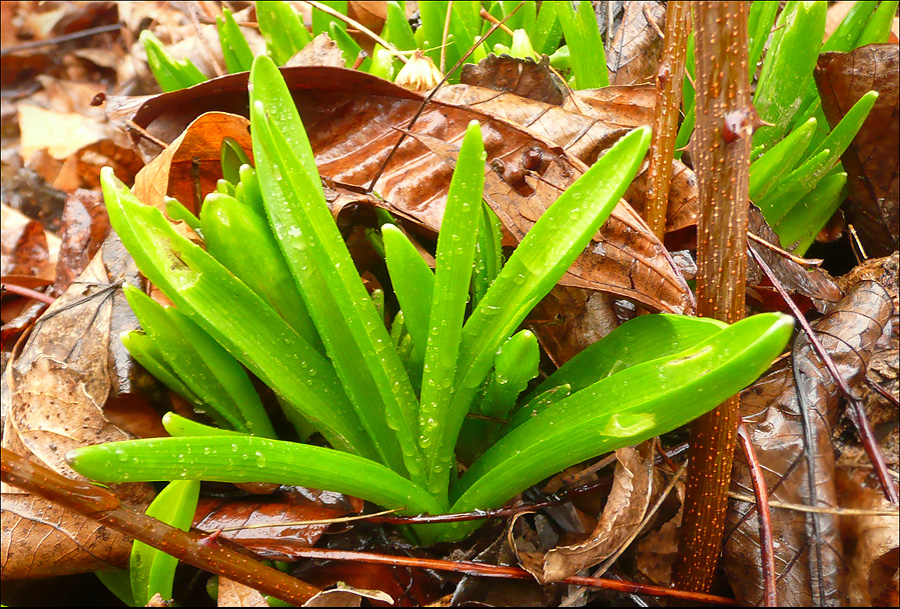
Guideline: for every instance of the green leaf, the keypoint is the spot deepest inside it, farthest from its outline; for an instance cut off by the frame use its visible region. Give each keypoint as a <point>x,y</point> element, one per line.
<point>171,74</point>
<point>397,30</point>
<point>781,159</point>
<point>144,350</point>
<point>233,157</point>
<point>179,213</point>
<point>799,227</point>
<point>182,356</point>
<point>283,30</point>
<point>785,194</point>
<point>878,28</point>
<point>638,403</point>
<point>540,260</point>
<point>413,284</point>
<point>636,341</point>
<point>488,253</point>
<point>843,38</point>
<point>788,67</point>
<point>234,316</point>
<point>119,583</point>
<point>321,21</point>
<point>547,31</point>
<point>585,44</point>
<point>208,369</point>
<point>228,229</point>
<point>350,49</point>
<point>229,458</point>
<point>759,25</point>
<point>452,277</point>
<point>235,50</point>
<point>248,189</point>
<point>354,336</point>
<point>153,571</point>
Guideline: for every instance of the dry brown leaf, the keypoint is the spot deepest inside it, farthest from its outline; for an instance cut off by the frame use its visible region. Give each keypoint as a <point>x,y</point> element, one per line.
<point>636,45</point>
<point>189,167</point>
<point>624,510</point>
<point>234,594</point>
<point>871,161</point>
<point>58,385</point>
<point>348,596</point>
<point>771,411</point>
<point>322,51</point>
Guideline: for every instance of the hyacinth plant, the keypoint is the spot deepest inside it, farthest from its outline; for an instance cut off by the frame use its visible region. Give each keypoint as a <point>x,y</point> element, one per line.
<point>276,292</point>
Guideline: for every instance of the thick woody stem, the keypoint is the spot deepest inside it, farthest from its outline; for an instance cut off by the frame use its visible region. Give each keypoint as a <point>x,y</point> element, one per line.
<point>669,78</point>
<point>725,122</point>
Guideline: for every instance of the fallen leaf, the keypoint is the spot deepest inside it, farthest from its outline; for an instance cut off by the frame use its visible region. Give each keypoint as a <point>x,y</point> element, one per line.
<point>872,159</point>
<point>771,411</point>
<point>322,51</point>
<point>70,366</point>
<point>347,596</point>
<point>636,45</point>
<point>624,510</point>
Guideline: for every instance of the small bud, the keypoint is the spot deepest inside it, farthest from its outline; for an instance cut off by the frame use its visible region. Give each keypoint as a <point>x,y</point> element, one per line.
<point>419,74</point>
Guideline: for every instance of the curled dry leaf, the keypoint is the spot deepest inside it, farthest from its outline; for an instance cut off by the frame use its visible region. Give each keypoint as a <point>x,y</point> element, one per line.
<point>322,51</point>
<point>624,510</point>
<point>348,596</point>
<point>25,246</point>
<point>810,564</point>
<point>58,385</point>
<point>871,161</point>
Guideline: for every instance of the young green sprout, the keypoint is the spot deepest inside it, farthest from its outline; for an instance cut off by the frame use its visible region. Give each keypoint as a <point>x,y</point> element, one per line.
<point>393,401</point>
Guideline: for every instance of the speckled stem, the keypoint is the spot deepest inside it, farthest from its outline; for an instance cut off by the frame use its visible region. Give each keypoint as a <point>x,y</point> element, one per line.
<point>669,79</point>
<point>722,161</point>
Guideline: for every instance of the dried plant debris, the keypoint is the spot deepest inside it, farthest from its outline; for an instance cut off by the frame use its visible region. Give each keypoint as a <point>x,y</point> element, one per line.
<point>809,553</point>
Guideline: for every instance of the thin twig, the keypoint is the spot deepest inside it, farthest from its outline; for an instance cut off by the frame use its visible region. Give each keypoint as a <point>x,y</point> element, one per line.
<point>49,42</point>
<point>102,505</point>
<point>766,545</point>
<point>445,36</point>
<point>486,570</point>
<point>857,412</point>
<point>669,79</point>
<point>799,507</point>
<point>883,392</point>
<point>809,263</point>
<point>26,292</point>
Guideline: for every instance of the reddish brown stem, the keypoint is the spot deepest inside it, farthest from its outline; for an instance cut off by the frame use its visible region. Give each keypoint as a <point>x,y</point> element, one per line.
<point>28,293</point>
<point>723,133</point>
<point>766,544</point>
<point>669,78</point>
<point>856,413</point>
<point>104,507</point>
<point>485,570</point>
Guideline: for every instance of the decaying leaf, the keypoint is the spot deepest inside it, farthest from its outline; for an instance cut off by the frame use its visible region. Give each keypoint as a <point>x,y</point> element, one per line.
<point>808,551</point>
<point>272,526</point>
<point>58,385</point>
<point>624,510</point>
<point>808,284</point>
<point>871,161</point>
<point>636,45</point>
